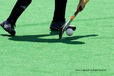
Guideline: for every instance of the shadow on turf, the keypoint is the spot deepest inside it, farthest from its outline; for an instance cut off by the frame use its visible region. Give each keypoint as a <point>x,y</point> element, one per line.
<point>39,38</point>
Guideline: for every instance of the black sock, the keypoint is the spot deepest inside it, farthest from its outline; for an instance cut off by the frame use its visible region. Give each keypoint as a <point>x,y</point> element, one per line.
<point>18,9</point>
<point>60,8</point>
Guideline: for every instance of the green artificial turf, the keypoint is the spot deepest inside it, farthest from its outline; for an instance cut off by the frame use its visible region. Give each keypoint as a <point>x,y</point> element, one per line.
<point>34,52</point>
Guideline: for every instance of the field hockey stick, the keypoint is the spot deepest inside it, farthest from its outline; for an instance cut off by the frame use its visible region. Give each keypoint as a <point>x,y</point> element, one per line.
<point>65,26</point>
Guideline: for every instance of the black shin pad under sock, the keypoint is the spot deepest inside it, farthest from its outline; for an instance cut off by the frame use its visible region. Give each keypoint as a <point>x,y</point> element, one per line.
<point>18,9</point>
<point>60,8</point>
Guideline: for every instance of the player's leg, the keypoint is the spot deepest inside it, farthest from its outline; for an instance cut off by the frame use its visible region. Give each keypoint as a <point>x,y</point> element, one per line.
<point>59,15</point>
<point>18,9</point>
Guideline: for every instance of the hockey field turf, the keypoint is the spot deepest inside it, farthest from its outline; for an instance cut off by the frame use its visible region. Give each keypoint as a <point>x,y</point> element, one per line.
<point>36,52</point>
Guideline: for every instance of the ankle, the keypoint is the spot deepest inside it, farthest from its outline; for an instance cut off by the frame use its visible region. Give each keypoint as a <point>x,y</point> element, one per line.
<point>12,22</point>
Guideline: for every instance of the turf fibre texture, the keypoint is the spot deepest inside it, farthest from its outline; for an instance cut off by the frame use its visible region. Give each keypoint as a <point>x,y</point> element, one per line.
<point>34,52</point>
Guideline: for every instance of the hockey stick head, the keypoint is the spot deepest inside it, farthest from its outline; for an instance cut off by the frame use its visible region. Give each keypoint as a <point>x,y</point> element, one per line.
<point>61,31</point>
<point>60,34</point>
